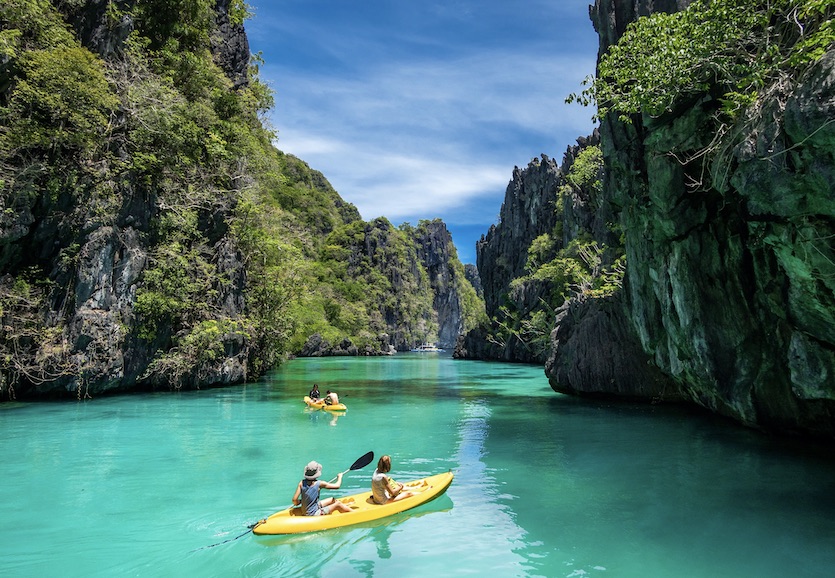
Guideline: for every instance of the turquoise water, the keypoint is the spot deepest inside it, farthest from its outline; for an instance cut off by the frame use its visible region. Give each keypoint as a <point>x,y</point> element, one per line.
<point>546,485</point>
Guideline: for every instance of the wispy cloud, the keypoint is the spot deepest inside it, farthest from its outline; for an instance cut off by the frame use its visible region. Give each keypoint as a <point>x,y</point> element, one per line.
<point>421,111</point>
<point>425,137</point>
<point>405,188</point>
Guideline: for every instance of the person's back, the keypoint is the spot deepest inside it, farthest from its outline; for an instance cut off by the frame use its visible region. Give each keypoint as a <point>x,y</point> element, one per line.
<point>383,487</point>
<point>307,492</point>
<point>310,497</point>
<point>379,487</point>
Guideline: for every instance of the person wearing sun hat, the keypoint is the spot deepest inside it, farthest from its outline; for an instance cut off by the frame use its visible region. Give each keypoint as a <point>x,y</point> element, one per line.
<point>307,493</point>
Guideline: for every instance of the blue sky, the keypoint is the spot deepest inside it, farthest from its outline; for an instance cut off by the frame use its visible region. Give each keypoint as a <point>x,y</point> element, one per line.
<point>420,110</point>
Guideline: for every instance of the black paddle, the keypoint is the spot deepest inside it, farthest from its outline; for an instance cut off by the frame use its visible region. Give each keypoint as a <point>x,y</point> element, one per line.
<point>359,464</point>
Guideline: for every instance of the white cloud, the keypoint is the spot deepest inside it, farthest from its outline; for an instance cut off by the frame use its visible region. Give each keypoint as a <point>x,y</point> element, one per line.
<point>395,185</point>
<point>423,138</point>
<point>414,113</point>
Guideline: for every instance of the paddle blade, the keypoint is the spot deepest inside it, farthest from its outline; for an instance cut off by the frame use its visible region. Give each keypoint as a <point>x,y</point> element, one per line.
<point>363,461</point>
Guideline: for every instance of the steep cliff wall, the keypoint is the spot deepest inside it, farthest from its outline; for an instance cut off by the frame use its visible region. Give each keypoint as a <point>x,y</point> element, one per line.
<point>150,235</point>
<point>418,291</point>
<point>730,269</point>
<point>437,254</point>
<point>554,231</point>
<point>76,244</point>
<point>528,211</point>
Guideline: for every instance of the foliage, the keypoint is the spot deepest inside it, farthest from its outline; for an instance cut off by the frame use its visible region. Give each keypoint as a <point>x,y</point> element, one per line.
<point>175,25</point>
<point>29,350</point>
<point>195,353</point>
<point>738,48</point>
<point>239,10</point>
<point>243,250</point>
<point>176,287</point>
<point>62,102</point>
<point>555,273</point>
<point>586,170</point>
<point>372,282</point>
<point>278,275</point>
<point>472,306</point>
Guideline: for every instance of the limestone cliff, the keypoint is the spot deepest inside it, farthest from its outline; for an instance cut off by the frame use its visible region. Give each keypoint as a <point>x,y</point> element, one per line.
<point>552,220</point>
<point>727,298</point>
<point>730,271</point>
<point>446,277</point>
<point>418,291</point>
<point>528,211</point>
<point>146,237</point>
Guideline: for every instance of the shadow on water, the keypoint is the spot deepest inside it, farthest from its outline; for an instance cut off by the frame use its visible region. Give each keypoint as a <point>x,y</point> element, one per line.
<point>707,425</point>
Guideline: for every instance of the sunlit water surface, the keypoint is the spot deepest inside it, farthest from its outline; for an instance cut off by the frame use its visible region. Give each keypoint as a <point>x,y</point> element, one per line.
<point>545,485</point>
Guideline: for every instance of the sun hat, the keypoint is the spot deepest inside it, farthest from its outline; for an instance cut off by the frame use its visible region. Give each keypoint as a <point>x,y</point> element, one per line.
<point>312,471</point>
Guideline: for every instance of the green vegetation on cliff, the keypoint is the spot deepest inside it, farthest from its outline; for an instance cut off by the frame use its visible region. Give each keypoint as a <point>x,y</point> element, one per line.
<point>739,48</point>
<point>374,287</point>
<point>150,232</point>
<point>562,264</point>
<point>368,284</point>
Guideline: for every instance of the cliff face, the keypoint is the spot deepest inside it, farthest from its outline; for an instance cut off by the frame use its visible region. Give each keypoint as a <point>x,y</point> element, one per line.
<point>419,292</point>
<point>437,254</point>
<point>150,236</point>
<point>729,286</point>
<point>74,331</point>
<point>549,215</point>
<point>528,211</point>
<point>727,298</point>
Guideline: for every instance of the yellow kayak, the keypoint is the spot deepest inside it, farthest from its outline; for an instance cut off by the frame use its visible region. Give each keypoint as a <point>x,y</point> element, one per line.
<point>364,509</point>
<point>320,404</point>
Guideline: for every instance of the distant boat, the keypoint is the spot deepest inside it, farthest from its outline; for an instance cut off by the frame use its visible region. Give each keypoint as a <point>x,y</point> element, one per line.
<point>427,348</point>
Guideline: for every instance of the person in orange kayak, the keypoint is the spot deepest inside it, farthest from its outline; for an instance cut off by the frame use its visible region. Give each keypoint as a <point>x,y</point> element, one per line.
<point>331,398</point>
<point>383,488</point>
<point>307,493</point>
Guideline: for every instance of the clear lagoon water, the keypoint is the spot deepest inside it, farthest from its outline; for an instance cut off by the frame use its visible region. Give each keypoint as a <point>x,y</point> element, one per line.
<point>545,485</point>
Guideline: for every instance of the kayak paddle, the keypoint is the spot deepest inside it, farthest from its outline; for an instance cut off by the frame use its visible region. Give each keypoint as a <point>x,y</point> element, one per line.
<point>359,464</point>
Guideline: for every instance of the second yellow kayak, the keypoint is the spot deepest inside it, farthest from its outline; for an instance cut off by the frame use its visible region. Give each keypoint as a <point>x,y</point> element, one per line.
<point>320,404</point>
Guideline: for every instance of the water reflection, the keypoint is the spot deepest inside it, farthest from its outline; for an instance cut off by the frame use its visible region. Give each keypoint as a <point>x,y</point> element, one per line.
<point>335,415</point>
<point>350,545</point>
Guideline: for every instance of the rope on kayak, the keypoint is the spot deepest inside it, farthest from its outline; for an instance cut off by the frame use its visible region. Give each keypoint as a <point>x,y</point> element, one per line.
<point>249,529</point>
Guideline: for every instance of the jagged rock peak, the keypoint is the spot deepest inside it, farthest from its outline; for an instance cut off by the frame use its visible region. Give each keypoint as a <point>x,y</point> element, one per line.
<point>230,46</point>
<point>527,212</point>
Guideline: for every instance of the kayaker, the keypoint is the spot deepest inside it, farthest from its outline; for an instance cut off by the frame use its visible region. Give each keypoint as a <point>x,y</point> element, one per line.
<point>383,488</point>
<point>331,398</point>
<point>314,393</point>
<point>307,493</point>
